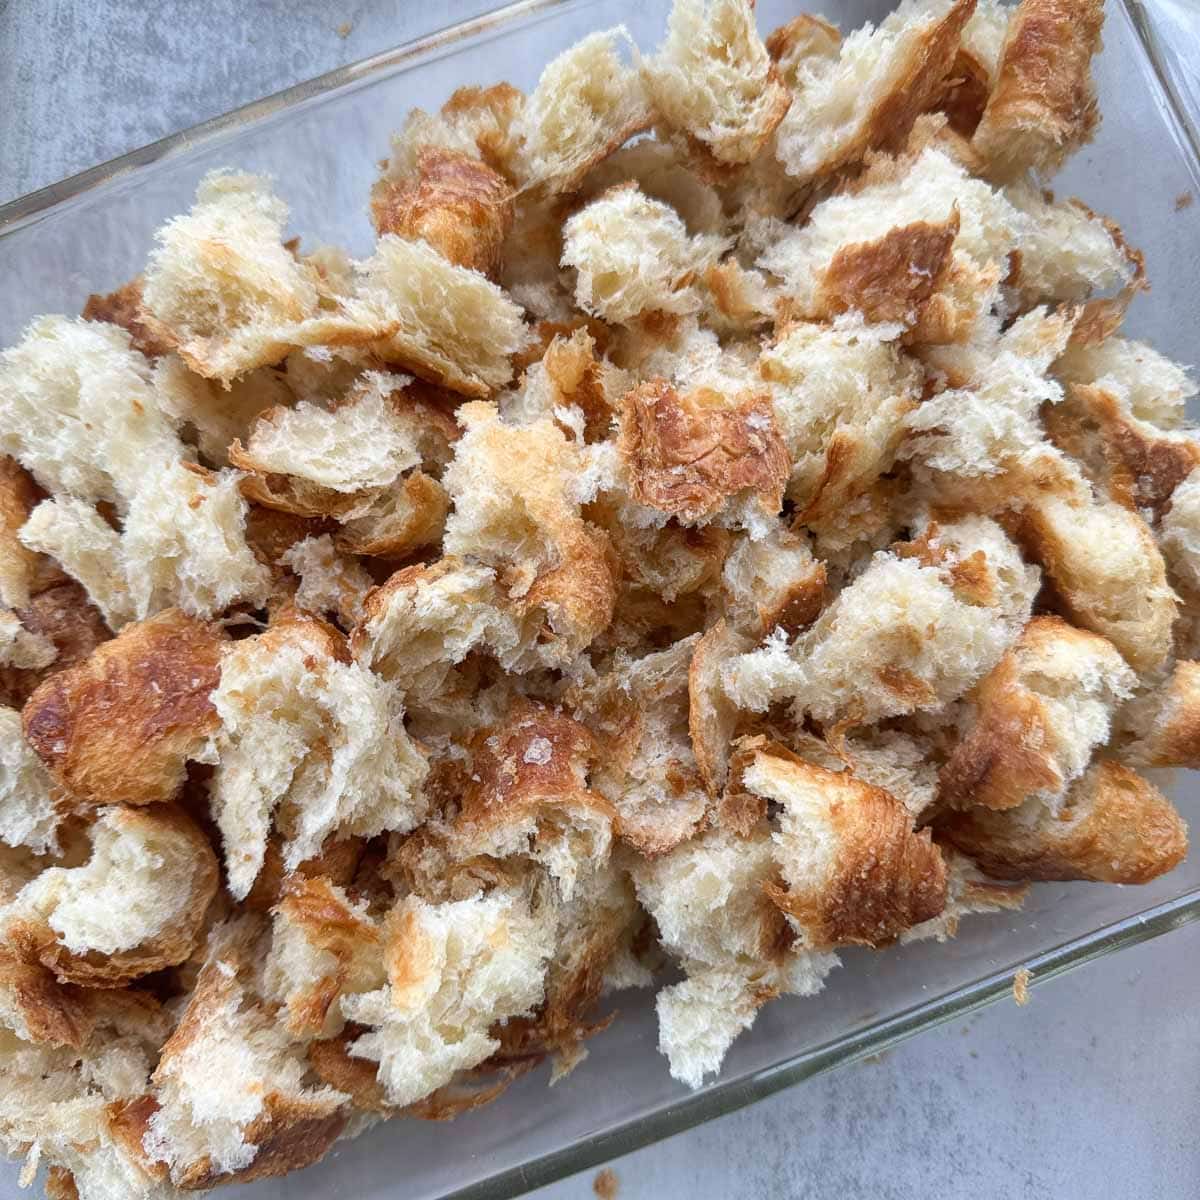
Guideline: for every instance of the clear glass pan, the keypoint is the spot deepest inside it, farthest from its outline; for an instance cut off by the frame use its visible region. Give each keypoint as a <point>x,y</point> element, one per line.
<point>321,141</point>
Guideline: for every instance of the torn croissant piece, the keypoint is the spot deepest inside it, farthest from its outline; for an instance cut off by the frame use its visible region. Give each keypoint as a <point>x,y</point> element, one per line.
<point>1113,826</point>
<point>1039,715</point>
<point>634,258</point>
<point>868,95</point>
<point>157,675</point>
<point>700,1017</point>
<point>900,761</point>
<point>288,1134</point>
<point>568,606</point>
<point>229,1101</point>
<point>979,440</point>
<point>453,971</point>
<point>854,869</point>
<point>456,203</point>
<point>1105,566</point>
<point>91,1082</point>
<point>314,463</point>
<point>1179,538</point>
<point>75,534</point>
<point>586,105</point>
<point>221,288</point>
<point>1042,105</point>
<point>82,414</point>
<point>62,1103</point>
<point>528,795</point>
<point>258,302</point>
<point>1147,385</point>
<point>691,455</point>
<point>773,583</point>
<point>135,906</point>
<point>182,545</point>
<point>1067,253</point>
<point>282,693</point>
<point>920,208</point>
<point>1137,464</point>
<point>709,899</point>
<point>671,560</point>
<point>359,463</point>
<point>953,311</point>
<point>92,430</point>
<point>404,519</point>
<point>714,81</point>
<point>969,81</point>
<point>646,767</point>
<point>445,323</point>
<point>425,620</point>
<point>742,300</point>
<point>323,946</point>
<point>1166,722</point>
<point>841,393</point>
<point>915,629</point>
<point>517,493</point>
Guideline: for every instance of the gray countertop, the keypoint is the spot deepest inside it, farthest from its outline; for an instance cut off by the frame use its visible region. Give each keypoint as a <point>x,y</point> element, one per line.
<point>1093,1089</point>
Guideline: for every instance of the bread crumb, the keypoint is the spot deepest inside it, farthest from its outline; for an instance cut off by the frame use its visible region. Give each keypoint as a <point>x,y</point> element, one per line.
<point>344,29</point>
<point>605,1185</point>
<point>1184,200</point>
<point>1020,986</point>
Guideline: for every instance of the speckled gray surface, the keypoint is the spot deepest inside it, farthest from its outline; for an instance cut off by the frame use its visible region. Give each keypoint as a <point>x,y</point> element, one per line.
<point>1090,1090</point>
<point>1093,1089</point>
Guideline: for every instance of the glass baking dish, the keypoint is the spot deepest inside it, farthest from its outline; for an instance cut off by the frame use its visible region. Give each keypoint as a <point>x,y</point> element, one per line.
<point>321,140</point>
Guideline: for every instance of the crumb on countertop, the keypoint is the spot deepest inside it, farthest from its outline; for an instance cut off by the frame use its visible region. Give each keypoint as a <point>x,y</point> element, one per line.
<point>1020,987</point>
<point>605,1184</point>
<point>344,29</point>
<point>1184,200</point>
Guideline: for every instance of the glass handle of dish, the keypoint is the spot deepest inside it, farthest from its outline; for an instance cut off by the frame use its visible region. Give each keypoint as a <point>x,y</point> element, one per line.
<point>1170,31</point>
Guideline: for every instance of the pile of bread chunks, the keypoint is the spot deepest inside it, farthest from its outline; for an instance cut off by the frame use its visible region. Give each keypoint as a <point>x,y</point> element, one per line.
<point>720,522</point>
